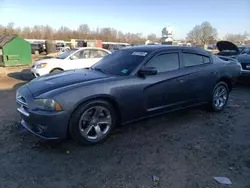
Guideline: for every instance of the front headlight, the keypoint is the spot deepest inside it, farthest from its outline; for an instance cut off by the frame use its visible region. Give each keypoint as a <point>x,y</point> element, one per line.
<point>18,95</point>
<point>42,65</point>
<point>48,104</point>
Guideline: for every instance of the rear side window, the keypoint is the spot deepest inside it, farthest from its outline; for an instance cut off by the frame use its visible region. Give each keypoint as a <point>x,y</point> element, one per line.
<point>165,62</point>
<point>192,59</point>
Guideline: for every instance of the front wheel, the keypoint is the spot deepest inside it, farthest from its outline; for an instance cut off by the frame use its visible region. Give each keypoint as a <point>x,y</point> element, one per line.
<point>219,97</point>
<point>92,122</point>
<point>56,70</point>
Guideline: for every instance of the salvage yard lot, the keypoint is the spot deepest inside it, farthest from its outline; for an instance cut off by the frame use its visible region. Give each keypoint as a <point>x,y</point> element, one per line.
<point>183,149</point>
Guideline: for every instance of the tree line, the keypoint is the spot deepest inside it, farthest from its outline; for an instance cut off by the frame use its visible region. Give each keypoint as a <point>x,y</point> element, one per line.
<point>201,34</point>
<point>65,33</point>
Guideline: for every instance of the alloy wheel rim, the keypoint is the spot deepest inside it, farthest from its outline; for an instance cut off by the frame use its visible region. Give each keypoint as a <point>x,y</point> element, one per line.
<point>95,123</point>
<point>220,97</point>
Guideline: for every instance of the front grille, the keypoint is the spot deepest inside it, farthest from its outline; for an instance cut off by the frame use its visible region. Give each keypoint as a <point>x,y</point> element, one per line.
<point>245,65</point>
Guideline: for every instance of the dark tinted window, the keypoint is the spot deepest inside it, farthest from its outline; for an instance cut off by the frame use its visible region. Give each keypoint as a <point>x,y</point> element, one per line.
<point>120,62</point>
<point>192,59</point>
<point>165,62</point>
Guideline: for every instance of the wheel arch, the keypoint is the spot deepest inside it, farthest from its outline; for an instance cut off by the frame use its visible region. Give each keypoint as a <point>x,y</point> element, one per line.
<point>55,69</point>
<point>228,81</point>
<point>107,98</point>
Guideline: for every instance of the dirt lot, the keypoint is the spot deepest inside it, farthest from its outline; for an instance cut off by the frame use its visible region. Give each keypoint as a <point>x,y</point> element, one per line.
<point>183,150</point>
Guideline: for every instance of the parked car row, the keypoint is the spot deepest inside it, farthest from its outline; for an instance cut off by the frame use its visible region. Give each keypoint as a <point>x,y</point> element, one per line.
<point>241,54</point>
<point>37,48</point>
<point>124,86</point>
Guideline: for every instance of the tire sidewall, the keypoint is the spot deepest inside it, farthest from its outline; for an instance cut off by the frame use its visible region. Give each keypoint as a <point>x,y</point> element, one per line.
<point>74,122</point>
<point>212,101</point>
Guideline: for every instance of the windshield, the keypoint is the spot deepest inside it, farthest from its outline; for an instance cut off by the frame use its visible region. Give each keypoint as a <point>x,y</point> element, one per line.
<point>241,48</point>
<point>66,54</point>
<point>244,50</point>
<point>121,62</point>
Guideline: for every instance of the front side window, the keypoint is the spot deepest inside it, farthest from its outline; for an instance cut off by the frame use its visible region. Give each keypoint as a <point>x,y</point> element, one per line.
<point>98,53</point>
<point>165,62</point>
<point>66,54</point>
<point>192,59</point>
<point>78,55</point>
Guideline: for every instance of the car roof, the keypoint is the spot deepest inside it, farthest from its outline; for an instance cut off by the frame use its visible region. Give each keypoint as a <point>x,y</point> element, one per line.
<point>152,48</point>
<point>95,48</point>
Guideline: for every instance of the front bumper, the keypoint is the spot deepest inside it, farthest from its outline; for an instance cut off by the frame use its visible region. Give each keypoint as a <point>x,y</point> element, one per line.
<point>39,72</point>
<point>45,124</point>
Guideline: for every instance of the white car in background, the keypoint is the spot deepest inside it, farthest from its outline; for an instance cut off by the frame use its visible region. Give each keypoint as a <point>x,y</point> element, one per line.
<point>72,59</point>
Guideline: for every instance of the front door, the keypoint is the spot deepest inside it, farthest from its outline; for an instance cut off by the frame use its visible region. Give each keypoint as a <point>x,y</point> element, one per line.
<point>163,91</point>
<point>81,59</point>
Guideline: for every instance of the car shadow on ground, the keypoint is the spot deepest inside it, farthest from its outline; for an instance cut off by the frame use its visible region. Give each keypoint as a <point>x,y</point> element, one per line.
<point>24,75</point>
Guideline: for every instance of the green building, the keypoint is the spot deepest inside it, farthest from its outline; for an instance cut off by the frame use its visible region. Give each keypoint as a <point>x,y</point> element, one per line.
<point>14,51</point>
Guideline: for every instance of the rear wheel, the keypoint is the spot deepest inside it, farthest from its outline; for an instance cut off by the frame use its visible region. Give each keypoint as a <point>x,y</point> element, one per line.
<point>219,97</point>
<point>92,122</point>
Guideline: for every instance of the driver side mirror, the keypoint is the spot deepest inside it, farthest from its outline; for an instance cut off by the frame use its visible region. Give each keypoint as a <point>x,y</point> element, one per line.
<point>147,71</point>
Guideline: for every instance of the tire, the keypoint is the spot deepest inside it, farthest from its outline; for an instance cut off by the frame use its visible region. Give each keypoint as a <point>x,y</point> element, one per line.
<point>86,119</point>
<point>56,70</point>
<point>219,97</point>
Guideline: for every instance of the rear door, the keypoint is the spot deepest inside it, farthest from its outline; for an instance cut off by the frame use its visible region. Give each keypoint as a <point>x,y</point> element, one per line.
<point>199,76</point>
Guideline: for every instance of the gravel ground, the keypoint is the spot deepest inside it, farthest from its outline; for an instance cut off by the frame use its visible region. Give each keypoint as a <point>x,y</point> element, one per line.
<point>185,149</point>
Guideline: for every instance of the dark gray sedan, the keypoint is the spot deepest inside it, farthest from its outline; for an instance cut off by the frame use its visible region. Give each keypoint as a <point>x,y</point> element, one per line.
<point>125,86</point>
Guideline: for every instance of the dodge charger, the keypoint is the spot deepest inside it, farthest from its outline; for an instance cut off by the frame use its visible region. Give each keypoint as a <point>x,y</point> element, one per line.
<point>128,85</point>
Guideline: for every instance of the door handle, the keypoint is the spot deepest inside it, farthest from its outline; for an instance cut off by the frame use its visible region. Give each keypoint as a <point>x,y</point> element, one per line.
<point>213,73</point>
<point>180,80</point>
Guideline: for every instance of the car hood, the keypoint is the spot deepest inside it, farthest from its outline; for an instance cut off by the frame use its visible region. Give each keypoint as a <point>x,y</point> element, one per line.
<point>244,58</point>
<point>47,60</point>
<point>53,81</point>
<point>226,45</point>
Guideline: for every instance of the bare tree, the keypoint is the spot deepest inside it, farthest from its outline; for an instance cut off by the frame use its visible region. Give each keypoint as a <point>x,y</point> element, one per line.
<point>152,37</point>
<point>236,38</point>
<point>2,29</point>
<point>26,32</point>
<point>83,30</point>
<point>48,32</point>
<point>9,29</point>
<point>202,34</point>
